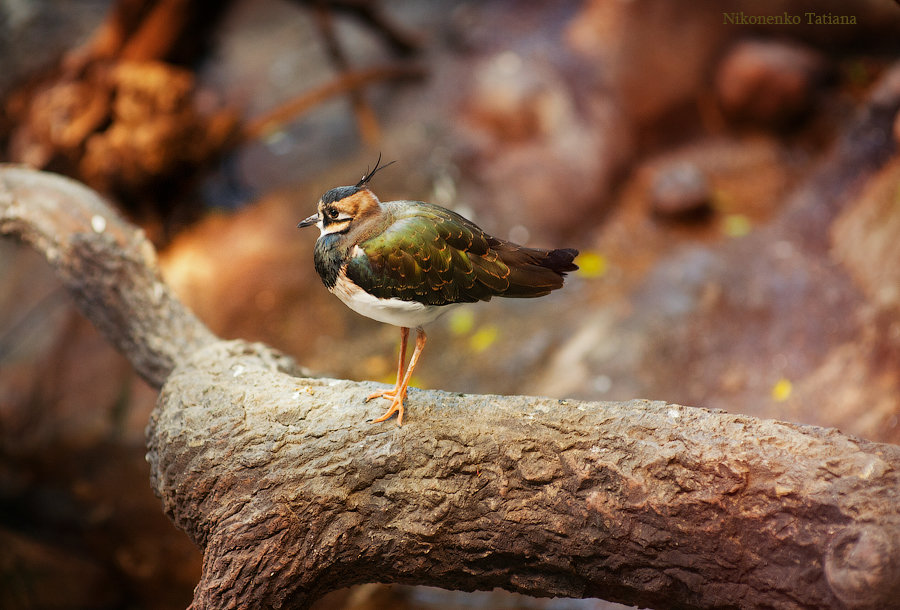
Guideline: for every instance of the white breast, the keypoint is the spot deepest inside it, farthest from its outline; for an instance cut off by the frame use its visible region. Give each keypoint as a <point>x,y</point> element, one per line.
<point>390,311</point>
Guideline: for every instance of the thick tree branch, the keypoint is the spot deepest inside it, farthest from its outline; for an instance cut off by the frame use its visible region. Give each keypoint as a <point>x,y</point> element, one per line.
<point>107,264</point>
<point>291,494</point>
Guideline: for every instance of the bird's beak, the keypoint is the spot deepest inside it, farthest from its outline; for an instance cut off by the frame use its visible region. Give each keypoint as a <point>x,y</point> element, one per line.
<point>308,222</point>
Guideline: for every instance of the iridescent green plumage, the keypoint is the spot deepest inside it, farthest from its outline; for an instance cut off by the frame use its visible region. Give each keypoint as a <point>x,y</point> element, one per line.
<point>404,262</point>
<point>434,256</point>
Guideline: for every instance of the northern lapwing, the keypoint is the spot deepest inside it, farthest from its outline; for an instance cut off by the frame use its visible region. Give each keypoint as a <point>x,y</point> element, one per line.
<point>408,262</point>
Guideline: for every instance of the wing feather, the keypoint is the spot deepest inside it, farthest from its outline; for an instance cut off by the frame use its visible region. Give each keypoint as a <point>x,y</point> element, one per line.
<point>435,256</point>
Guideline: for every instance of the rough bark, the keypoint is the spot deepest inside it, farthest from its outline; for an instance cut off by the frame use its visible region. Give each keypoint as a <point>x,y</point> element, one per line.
<point>107,264</point>
<point>291,494</point>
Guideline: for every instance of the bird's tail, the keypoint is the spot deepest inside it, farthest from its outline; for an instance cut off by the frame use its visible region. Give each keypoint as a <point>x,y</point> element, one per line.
<point>535,272</point>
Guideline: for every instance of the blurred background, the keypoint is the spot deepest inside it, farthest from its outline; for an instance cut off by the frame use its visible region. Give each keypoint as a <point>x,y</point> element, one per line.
<point>728,170</point>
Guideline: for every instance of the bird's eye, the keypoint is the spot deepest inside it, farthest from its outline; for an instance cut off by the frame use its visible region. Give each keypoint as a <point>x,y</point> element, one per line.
<point>332,213</point>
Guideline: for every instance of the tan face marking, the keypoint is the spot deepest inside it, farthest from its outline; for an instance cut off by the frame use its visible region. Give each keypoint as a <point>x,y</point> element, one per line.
<point>335,216</point>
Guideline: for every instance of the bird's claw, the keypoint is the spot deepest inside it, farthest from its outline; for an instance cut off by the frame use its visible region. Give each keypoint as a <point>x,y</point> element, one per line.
<point>397,397</point>
<point>396,407</point>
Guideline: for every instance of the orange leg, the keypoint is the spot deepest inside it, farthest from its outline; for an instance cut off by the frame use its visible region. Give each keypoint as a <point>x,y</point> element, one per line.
<point>399,392</point>
<point>404,336</point>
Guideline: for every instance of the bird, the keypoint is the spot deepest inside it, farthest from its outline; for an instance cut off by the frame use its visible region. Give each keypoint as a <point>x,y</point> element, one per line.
<point>406,263</point>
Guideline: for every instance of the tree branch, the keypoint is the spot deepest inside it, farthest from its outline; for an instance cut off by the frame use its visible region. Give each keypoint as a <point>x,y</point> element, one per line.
<point>290,494</point>
<point>349,81</point>
<point>107,264</point>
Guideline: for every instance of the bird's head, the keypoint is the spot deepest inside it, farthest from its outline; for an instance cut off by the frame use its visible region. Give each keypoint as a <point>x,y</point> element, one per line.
<point>338,208</point>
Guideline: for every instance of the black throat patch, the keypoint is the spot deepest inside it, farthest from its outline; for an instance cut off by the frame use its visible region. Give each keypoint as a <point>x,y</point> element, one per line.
<point>328,258</point>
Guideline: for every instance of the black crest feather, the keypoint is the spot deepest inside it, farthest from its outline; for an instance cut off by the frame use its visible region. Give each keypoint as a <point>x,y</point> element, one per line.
<point>364,181</point>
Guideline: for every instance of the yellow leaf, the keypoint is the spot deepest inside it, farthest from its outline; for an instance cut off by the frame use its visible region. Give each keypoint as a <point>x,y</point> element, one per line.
<point>781,391</point>
<point>483,338</point>
<point>736,225</point>
<point>461,322</point>
<point>591,264</point>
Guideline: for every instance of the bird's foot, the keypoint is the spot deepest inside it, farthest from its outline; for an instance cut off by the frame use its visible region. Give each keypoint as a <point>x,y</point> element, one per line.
<point>398,393</point>
<point>396,406</point>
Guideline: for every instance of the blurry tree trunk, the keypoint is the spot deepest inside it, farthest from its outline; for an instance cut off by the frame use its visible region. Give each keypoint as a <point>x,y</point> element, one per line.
<point>290,494</point>
<point>121,114</point>
<point>175,31</point>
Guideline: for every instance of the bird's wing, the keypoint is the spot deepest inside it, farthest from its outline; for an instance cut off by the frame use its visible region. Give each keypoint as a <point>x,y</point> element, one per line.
<point>430,255</point>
